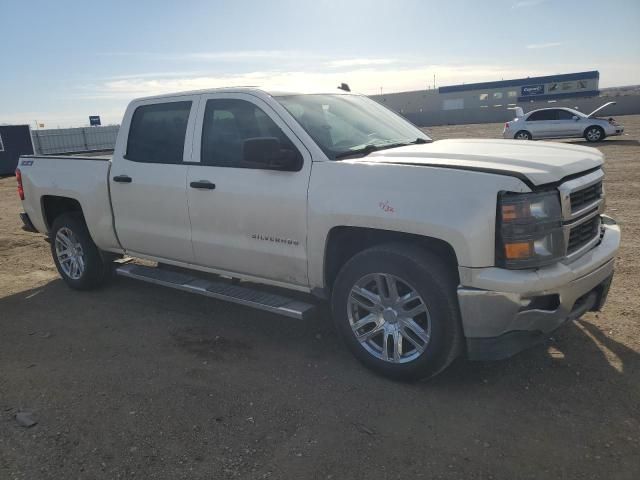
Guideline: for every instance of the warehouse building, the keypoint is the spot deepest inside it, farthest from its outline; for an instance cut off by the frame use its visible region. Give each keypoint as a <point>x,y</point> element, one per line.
<point>489,94</point>
<point>490,101</point>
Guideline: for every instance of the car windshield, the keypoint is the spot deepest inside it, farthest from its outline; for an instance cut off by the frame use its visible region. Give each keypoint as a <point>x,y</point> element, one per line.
<point>342,125</point>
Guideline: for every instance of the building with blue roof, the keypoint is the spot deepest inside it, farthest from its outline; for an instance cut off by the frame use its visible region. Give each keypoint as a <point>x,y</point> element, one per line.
<point>492,101</point>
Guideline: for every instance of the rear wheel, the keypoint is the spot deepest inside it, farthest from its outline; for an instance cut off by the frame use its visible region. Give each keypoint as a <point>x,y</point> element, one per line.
<point>396,308</point>
<point>522,135</point>
<point>594,134</point>
<point>78,260</point>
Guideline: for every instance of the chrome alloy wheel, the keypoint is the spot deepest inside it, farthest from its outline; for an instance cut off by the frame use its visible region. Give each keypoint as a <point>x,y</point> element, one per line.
<point>522,136</point>
<point>69,253</point>
<point>389,318</point>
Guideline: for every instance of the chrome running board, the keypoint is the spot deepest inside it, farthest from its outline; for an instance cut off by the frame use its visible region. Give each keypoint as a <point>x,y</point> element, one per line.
<point>220,290</point>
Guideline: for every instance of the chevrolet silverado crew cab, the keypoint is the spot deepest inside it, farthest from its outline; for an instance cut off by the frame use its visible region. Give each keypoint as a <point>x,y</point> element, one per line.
<point>425,250</point>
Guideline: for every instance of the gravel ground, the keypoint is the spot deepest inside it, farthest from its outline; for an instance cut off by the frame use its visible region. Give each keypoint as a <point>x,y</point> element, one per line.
<point>136,381</point>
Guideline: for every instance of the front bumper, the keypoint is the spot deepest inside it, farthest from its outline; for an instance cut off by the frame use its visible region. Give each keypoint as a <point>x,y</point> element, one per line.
<point>505,311</point>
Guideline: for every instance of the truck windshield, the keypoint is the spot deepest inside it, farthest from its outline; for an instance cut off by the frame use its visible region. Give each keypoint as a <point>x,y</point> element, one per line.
<point>345,125</point>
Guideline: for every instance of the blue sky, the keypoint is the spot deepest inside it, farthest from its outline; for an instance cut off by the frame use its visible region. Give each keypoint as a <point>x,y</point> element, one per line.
<point>65,60</point>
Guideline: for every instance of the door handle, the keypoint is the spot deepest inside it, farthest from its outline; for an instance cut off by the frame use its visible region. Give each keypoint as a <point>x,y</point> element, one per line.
<point>122,179</point>
<point>203,185</point>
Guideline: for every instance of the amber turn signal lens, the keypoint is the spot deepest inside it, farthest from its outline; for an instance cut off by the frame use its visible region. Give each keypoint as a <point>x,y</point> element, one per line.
<point>514,251</point>
<point>509,213</point>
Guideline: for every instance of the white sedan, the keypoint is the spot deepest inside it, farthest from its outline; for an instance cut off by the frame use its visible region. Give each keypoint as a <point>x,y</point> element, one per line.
<point>561,123</point>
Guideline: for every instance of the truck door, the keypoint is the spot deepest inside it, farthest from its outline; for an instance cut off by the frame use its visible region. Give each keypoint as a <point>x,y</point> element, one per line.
<point>246,218</point>
<point>148,178</point>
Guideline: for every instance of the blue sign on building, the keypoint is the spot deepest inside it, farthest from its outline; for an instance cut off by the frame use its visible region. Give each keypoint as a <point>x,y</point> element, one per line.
<point>94,121</point>
<point>532,90</point>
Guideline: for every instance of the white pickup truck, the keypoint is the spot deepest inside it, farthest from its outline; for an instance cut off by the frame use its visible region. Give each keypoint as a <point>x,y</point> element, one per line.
<point>425,250</point>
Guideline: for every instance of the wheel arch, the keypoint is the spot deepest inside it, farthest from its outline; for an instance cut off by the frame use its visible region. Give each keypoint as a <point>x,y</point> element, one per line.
<point>343,242</point>
<point>53,206</point>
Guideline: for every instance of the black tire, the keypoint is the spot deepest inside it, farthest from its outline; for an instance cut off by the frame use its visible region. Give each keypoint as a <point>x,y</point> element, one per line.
<point>594,134</point>
<point>433,280</point>
<point>522,135</point>
<point>97,267</point>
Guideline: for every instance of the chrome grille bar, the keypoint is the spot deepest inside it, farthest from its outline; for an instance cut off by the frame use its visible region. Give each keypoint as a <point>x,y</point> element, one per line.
<point>577,185</point>
<point>578,219</point>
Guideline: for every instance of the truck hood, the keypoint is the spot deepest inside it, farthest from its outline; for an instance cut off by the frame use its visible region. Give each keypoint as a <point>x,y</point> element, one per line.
<point>536,163</point>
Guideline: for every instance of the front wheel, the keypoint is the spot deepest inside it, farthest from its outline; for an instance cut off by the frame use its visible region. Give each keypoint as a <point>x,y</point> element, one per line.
<point>396,308</point>
<point>594,134</point>
<point>77,258</point>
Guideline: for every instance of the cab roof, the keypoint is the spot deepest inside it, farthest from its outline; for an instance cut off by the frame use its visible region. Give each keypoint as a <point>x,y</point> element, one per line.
<point>247,89</point>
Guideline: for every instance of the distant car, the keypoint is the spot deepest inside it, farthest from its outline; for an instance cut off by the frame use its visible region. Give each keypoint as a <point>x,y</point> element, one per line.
<point>561,123</point>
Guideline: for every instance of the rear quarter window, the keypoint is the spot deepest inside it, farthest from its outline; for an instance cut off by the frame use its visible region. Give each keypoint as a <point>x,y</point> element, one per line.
<point>157,133</point>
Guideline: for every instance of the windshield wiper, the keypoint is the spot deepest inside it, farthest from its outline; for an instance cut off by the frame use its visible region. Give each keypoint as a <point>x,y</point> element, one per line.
<point>367,149</point>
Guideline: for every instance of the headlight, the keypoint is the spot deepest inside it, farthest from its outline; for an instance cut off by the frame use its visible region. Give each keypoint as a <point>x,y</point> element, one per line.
<point>529,230</point>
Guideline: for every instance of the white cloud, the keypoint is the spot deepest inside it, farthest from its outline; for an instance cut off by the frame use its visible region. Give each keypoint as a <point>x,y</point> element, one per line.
<point>155,75</point>
<point>359,62</point>
<point>367,80</point>
<point>218,56</point>
<point>241,55</point>
<point>535,46</point>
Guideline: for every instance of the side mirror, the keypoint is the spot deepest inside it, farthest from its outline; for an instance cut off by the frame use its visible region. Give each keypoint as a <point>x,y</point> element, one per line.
<point>267,153</point>
<point>576,118</point>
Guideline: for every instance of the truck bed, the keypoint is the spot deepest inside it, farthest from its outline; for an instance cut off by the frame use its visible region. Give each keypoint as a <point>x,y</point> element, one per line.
<point>85,181</point>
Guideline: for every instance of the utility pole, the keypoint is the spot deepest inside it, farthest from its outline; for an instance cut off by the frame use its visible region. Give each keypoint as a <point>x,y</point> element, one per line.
<point>434,81</point>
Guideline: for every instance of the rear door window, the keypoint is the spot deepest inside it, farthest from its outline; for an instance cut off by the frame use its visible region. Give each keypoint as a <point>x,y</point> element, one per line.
<point>543,115</point>
<point>157,133</point>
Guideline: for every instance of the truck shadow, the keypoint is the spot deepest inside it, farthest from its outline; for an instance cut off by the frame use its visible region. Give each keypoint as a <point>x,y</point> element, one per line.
<point>579,348</point>
<point>606,143</point>
<point>203,327</point>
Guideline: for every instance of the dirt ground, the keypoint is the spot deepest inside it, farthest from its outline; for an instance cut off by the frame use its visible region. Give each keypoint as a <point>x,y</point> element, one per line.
<point>136,381</point>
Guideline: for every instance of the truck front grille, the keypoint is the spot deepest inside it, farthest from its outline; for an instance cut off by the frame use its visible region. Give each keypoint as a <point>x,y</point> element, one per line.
<point>582,202</point>
<point>582,234</point>
<point>586,196</point>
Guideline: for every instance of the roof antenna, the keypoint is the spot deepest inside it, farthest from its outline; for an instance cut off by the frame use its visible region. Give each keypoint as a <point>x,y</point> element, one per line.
<point>345,87</point>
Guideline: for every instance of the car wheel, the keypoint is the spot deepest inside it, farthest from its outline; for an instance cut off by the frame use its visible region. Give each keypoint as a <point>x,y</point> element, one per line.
<point>78,260</point>
<point>396,308</point>
<point>522,135</point>
<point>594,134</point>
